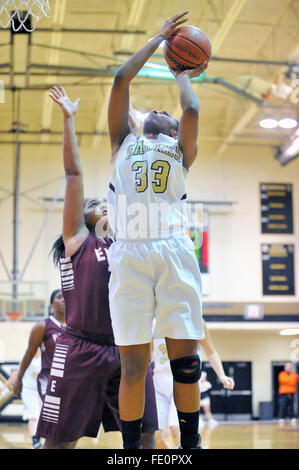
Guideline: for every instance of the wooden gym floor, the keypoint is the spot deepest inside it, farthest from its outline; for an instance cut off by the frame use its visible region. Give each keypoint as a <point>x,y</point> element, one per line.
<point>249,435</point>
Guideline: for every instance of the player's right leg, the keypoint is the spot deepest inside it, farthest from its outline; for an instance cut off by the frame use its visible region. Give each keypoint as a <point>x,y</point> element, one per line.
<point>132,306</point>
<point>111,418</point>
<point>179,321</point>
<point>185,365</point>
<point>134,364</point>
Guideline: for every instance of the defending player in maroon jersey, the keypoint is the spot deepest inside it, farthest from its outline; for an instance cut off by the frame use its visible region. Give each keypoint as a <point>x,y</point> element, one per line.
<point>84,380</point>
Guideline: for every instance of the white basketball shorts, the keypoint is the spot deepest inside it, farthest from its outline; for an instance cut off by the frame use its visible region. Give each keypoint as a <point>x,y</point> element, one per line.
<point>32,404</point>
<point>154,278</point>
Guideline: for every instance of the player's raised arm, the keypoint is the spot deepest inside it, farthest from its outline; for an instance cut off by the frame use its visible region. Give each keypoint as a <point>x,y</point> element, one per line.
<point>73,217</point>
<point>188,127</point>
<point>118,110</point>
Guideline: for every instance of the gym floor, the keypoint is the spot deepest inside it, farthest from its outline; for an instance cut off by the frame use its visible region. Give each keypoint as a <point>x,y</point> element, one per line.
<point>245,435</point>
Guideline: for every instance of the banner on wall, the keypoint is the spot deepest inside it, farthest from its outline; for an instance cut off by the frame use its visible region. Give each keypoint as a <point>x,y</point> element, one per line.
<point>201,250</point>
<point>200,236</point>
<point>278,269</point>
<point>276,208</point>
<point>198,231</point>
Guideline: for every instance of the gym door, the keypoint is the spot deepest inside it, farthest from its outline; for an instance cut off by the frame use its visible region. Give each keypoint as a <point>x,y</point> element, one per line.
<point>231,404</point>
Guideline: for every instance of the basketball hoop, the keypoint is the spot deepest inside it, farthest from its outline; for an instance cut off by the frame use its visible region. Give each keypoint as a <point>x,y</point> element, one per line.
<point>17,12</point>
<point>13,316</point>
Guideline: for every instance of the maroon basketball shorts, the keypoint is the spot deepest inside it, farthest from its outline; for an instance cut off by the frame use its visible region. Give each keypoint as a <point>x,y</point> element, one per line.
<point>82,392</point>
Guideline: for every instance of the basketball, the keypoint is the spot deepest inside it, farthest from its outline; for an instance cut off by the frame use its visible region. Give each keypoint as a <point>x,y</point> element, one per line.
<point>187,49</point>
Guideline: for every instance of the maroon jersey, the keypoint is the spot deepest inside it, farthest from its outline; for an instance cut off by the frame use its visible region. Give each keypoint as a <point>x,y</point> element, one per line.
<point>53,328</point>
<point>84,281</point>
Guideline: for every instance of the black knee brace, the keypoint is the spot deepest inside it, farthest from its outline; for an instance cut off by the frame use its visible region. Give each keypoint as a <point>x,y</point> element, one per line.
<point>178,367</point>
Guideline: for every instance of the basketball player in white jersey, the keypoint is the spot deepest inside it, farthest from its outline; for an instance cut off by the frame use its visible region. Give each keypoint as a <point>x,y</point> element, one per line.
<point>154,271</point>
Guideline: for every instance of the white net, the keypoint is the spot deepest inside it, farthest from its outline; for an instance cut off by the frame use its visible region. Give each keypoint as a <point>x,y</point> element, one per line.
<point>17,12</point>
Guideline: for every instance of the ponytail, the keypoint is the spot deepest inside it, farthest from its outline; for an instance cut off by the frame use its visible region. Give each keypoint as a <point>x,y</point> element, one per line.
<point>57,250</point>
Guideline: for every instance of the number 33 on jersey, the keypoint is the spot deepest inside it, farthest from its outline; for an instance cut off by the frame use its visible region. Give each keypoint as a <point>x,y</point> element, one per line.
<point>148,176</point>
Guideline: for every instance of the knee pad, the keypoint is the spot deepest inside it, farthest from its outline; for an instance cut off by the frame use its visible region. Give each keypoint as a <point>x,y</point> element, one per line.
<point>179,366</point>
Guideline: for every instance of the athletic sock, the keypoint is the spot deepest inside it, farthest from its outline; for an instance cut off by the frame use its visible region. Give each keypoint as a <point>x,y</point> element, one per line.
<point>190,438</point>
<point>36,442</point>
<point>131,432</point>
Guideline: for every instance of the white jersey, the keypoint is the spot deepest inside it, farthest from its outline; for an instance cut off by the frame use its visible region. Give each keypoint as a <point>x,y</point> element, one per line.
<point>29,379</point>
<point>147,194</point>
<point>160,357</point>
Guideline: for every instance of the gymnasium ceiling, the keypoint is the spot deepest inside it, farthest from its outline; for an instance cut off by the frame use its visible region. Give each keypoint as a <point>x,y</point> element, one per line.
<point>241,31</point>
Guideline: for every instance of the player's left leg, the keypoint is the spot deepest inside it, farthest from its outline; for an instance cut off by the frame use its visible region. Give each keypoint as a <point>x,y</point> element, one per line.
<point>179,321</point>
<point>186,395</point>
<point>185,365</point>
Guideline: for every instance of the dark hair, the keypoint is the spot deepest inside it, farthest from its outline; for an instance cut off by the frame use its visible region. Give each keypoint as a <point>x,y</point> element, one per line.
<point>57,250</point>
<point>58,247</point>
<point>53,295</point>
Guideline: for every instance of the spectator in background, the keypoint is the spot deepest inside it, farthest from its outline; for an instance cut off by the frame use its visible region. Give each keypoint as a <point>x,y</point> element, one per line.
<point>287,380</point>
<point>43,336</point>
<point>30,380</point>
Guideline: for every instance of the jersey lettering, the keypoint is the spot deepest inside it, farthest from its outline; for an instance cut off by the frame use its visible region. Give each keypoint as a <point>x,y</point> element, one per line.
<point>141,147</point>
<point>160,176</point>
<point>100,254</point>
<point>53,385</point>
<point>164,352</point>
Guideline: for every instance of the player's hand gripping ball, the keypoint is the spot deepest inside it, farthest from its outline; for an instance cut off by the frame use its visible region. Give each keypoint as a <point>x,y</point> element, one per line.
<point>187,48</point>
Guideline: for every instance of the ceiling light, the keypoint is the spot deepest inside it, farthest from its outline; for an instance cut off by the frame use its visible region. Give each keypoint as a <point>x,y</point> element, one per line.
<point>289,332</point>
<point>269,123</point>
<point>287,123</point>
